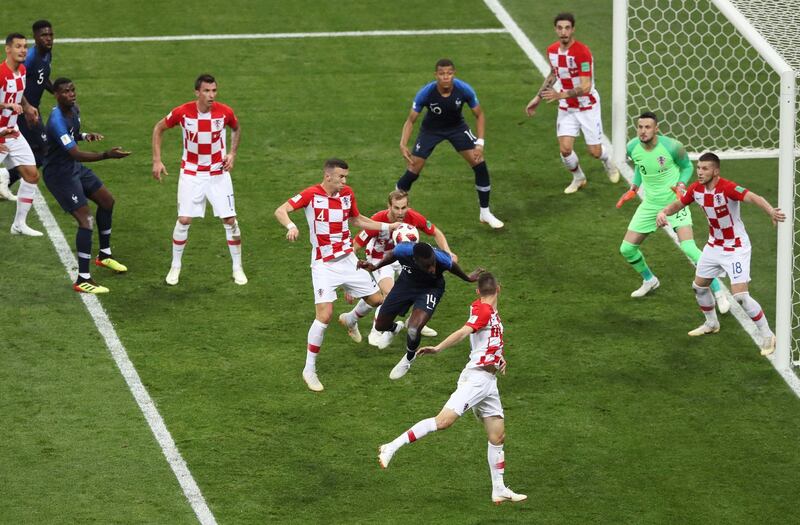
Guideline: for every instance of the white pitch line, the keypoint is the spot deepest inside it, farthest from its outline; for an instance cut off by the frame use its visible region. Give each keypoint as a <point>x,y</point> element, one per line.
<point>120,356</point>
<point>281,36</point>
<point>543,67</point>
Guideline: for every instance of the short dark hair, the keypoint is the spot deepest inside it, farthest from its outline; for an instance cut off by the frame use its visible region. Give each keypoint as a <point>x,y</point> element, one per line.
<point>649,114</point>
<point>205,77</point>
<point>569,17</point>
<point>709,157</point>
<point>487,284</point>
<point>423,252</point>
<point>60,81</point>
<point>397,195</point>
<point>40,24</point>
<point>444,62</point>
<point>332,163</point>
<point>14,36</point>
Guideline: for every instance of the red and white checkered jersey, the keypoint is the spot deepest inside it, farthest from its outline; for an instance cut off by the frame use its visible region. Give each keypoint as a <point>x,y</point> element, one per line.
<point>378,243</point>
<point>568,66</point>
<point>721,204</point>
<point>487,340</point>
<point>12,87</point>
<point>327,218</point>
<point>203,136</point>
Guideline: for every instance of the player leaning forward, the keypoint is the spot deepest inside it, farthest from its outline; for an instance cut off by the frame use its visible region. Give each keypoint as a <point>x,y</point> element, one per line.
<point>205,170</point>
<point>477,387</point>
<point>331,209</point>
<point>728,249</point>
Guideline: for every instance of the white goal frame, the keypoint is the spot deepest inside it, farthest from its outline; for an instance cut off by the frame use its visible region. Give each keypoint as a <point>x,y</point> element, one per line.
<point>784,150</point>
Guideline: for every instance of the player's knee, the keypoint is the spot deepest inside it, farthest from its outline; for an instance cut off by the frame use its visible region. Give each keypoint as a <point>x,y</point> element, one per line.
<point>413,333</point>
<point>186,221</point>
<point>697,288</point>
<point>566,152</point>
<point>629,251</point>
<point>443,421</point>
<point>741,297</point>
<point>498,438</point>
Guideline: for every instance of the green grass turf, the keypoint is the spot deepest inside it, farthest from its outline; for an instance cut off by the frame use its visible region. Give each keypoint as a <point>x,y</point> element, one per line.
<point>613,414</point>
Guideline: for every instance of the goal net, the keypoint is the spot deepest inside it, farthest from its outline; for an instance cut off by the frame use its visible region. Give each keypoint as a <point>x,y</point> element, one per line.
<point>722,75</point>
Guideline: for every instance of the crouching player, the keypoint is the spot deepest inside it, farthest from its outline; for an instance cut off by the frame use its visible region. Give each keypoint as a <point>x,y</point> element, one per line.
<point>477,387</point>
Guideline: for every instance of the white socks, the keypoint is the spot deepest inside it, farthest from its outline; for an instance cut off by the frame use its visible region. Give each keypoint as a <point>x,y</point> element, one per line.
<point>360,310</point>
<point>706,301</point>
<point>315,335</point>
<point>753,309</point>
<point>25,195</point>
<point>234,237</point>
<point>179,236</point>
<point>497,465</point>
<point>572,164</point>
<point>418,431</point>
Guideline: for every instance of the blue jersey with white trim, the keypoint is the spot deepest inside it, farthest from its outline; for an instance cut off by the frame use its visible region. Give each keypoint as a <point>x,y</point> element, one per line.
<point>63,131</point>
<point>412,275</point>
<point>37,73</point>
<point>444,112</point>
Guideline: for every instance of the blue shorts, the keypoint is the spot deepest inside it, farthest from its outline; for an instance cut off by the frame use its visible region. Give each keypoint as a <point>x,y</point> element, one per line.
<point>401,298</point>
<point>71,190</point>
<point>36,137</point>
<point>460,137</point>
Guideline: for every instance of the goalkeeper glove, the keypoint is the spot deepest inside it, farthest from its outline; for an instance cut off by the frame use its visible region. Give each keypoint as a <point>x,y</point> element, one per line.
<point>628,195</point>
<point>679,189</point>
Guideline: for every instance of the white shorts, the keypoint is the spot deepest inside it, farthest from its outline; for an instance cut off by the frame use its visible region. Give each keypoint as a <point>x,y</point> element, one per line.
<point>195,190</point>
<point>19,153</point>
<point>715,262</point>
<point>389,271</point>
<point>477,389</point>
<point>326,277</point>
<point>572,123</point>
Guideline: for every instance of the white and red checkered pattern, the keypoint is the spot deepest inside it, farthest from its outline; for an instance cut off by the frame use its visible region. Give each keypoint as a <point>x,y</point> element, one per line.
<point>487,341</point>
<point>721,204</point>
<point>327,218</point>
<point>12,87</point>
<point>568,66</point>
<point>203,136</point>
<point>377,243</point>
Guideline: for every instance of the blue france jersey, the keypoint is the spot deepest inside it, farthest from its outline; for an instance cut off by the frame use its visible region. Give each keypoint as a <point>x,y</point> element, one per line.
<point>412,275</point>
<point>62,133</point>
<point>38,71</point>
<point>444,112</point>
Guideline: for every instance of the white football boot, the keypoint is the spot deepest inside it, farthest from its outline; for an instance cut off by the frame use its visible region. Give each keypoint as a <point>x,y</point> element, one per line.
<point>312,381</point>
<point>611,171</point>
<point>507,494</point>
<point>24,229</point>
<point>239,277</point>
<point>352,329</point>
<point>386,337</point>
<point>385,453</point>
<point>5,193</point>
<point>487,217</point>
<point>647,286</point>
<point>767,345</point>
<point>575,185</point>
<point>400,368</point>
<point>704,329</point>
<point>428,332</point>
<point>173,276</point>
<point>723,305</point>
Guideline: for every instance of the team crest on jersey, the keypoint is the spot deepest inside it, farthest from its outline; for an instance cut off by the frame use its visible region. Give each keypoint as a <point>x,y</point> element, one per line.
<point>219,124</point>
<point>571,62</point>
<point>662,160</point>
<point>458,102</point>
<point>719,199</point>
<point>346,201</point>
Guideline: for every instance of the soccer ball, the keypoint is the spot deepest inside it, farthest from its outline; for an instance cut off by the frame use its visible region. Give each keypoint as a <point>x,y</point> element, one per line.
<point>405,233</point>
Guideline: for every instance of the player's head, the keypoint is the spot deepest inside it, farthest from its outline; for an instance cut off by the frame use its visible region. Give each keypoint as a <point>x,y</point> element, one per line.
<point>205,89</point>
<point>43,34</point>
<point>564,24</point>
<point>424,257</point>
<point>445,72</point>
<point>647,126</point>
<point>487,284</point>
<point>16,48</point>
<point>707,168</point>
<point>64,91</point>
<point>398,205</point>
<point>335,174</point>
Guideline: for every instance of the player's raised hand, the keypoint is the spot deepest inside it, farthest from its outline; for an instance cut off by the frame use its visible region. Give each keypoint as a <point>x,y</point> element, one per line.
<point>158,169</point>
<point>661,219</point>
<point>428,350</point>
<point>117,153</point>
<point>365,265</point>
<point>530,109</point>
<point>474,275</point>
<point>405,152</point>
<point>227,162</point>
<point>628,195</point>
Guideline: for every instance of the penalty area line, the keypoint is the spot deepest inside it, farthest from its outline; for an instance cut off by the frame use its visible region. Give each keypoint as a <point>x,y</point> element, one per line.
<point>126,368</point>
<point>543,67</point>
<point>282,36</point>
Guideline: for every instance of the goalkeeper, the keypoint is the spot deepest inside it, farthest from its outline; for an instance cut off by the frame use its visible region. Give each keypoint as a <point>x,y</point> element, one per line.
<point>662,168</point>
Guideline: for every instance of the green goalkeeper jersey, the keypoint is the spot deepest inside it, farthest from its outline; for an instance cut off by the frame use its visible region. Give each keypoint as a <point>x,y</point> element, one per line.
<point>659,169</point>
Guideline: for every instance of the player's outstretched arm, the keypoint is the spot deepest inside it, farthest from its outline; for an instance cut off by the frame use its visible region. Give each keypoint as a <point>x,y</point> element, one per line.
<point>158,167</point>
<point>774,213</point>
<point>408,127</point>
<point>530,109</point>
<point>451,340</point>
<point>671,209</point>
<point>441,242</point>
<point>388,258</point>
<point>456,270</point>
<point>93,156</point>
<point>282,214</point>
<point>365,223</point>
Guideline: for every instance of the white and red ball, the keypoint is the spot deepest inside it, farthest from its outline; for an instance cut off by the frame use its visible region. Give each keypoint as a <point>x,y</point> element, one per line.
<point>405,233</point>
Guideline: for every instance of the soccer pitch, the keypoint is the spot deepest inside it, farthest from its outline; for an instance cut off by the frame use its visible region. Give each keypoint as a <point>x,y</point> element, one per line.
<point>613,413</point>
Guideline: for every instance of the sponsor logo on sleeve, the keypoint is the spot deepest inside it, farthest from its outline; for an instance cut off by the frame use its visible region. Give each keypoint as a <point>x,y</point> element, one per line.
<point>66,139</point>
<point>740,189</point>
<point>586,67</point>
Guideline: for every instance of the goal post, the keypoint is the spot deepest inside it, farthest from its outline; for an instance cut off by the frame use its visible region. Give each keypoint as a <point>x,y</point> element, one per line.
<point>666,54</point>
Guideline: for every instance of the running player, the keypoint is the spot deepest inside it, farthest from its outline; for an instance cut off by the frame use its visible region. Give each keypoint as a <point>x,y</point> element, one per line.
<point>71,183</point>
<point>477,387</point>
<point>728,248</point>
<point>377,244</point>
<point>421,285</point>
<point>205,170</point>
<point>330,209</point>
<point>445,98</point>
<point>578,101</point>
<point>663,169</point>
